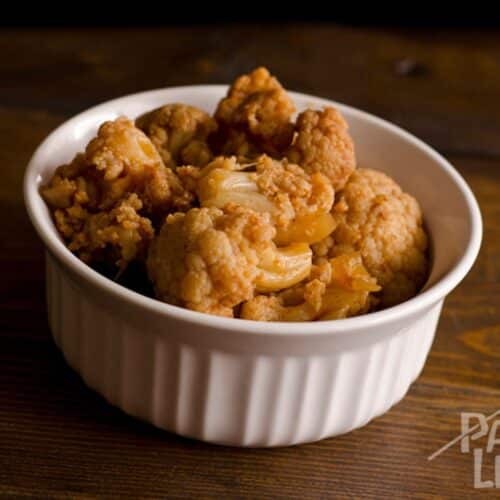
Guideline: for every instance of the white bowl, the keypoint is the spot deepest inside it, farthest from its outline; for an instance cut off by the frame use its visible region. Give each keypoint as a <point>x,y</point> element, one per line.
<point>240,382</point>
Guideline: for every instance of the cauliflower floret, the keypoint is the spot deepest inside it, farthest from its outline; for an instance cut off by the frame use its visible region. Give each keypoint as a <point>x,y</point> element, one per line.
<point>337,288</point>
<point>299,203</point>
<point>179,133</point>
<point>376,218</point>
<point>211,260</point>
<point>96,189</point>
<point>322,144</point>
<point>119,235</point>
<point>119,161</point>
<point>258,106</point>
<point>128,162</point>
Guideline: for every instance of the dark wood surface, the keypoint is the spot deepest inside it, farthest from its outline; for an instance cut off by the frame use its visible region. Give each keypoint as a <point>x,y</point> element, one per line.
<point>59,439</point>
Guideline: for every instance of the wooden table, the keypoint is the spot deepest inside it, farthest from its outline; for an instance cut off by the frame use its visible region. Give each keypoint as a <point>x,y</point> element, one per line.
<point>58,438</point>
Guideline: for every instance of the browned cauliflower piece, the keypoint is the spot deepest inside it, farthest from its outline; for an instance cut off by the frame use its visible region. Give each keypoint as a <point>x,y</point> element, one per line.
<point>118,235</point>
<point>128,162</point>
<point>322,249</point>
<point>119,162</point>
<point>211,260</point>
<point>376,218</point>
<point>337,288</point>
<point>233,142</point>
<point>179,133</point>
<point>258,106</point>
<point>322,144</point>
<point>299,203</point>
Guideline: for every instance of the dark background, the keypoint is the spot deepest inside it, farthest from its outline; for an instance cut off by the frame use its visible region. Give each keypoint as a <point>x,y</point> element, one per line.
<point>95,13</point>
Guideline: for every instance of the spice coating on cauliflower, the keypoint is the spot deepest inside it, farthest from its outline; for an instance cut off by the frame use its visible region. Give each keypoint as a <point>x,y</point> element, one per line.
<point>119,162</point>
<point>211,260</point>
<point>179,132</point>
<point>375,217</point>
<point>118,236</point>
<point>128,162</point>
<point>259,106</point>
<point>299,203</point>
<point>294,191</point>
<point>322,144</point>
<point>337,288</point>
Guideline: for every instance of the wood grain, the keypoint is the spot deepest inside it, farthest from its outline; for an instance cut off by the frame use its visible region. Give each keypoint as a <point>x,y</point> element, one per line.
<point>59,439</point>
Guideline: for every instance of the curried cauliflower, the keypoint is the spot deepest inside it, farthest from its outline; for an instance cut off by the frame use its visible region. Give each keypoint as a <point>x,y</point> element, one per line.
<point>299,203</point>
<point>118,235</point>
<point>211,260</point>
<point>258,106</point>
<point>375,217</point>
<point>119,162</point>
<point>322,144</point>
<point>245,213</point>
<point>337,288</point>
<point>126,161</point>
<point>179,132</point>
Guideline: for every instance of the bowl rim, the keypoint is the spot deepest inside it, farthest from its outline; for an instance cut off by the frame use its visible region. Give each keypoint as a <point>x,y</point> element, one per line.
<point>345,326</point>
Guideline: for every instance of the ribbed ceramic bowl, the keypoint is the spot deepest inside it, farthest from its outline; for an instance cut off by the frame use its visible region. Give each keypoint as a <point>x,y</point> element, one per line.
<point>249,383</point>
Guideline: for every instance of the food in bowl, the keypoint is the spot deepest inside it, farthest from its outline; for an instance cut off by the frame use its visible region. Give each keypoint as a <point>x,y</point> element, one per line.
<point>245,214</point>
<point>250,383</point>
